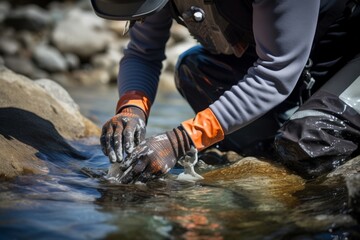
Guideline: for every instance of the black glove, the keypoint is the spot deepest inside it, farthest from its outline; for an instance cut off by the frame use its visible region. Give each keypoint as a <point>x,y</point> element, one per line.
<point>155,156</point>
<point>123,132</point>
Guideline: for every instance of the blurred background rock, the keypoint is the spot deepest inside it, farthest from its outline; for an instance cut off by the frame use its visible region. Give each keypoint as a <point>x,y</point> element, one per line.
<point>66,42</point>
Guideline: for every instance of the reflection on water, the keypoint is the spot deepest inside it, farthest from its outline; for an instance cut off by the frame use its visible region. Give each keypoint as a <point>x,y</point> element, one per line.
<point>74,201</point>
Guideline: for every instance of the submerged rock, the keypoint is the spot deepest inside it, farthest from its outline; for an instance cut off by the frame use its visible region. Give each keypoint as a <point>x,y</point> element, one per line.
<point>259,178</point>
<point>347,169</point>
<point>353,186</point>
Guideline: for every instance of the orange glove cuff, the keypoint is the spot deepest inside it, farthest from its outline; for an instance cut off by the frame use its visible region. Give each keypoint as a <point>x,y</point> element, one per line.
<point>134,98</point>
<point>204,130</point>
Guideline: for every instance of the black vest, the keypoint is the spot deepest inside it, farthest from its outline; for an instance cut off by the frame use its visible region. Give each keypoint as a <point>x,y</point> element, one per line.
<point>221,26</point>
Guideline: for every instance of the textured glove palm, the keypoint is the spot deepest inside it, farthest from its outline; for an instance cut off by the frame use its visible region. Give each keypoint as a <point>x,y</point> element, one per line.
<point>155,156</point>
<point>123,132</point>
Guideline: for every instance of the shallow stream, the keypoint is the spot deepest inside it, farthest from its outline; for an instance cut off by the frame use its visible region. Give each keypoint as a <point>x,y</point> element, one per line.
<point>74,201</point>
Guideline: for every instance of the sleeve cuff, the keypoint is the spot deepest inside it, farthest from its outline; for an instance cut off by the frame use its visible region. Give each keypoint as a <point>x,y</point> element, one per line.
<point>134,98</point>
<point>204,130</point>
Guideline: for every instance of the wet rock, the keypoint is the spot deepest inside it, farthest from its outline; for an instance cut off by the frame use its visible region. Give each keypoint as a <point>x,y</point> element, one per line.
<point>259,178</point>
<point>353,186</point>
<point>271,187</point>
<point>17,157</point>
<point>81,33</point>
<point>36,120</point>
<point>20,92</point>
<point>49,59</point>
<point>349,168</point>
<point>339,174</point>
<point>29,17</point>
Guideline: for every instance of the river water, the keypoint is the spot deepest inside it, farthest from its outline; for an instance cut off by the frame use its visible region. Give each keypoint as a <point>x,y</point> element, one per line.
<point>75,201</point>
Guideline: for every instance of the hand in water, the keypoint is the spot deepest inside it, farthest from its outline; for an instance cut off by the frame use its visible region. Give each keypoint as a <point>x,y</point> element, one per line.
<point>122,133</point>
<point>155,156</point>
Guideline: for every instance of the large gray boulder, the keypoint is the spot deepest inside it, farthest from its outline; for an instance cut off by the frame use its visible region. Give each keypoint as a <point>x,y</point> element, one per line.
<point>37,120</point>
<point>81,33</point>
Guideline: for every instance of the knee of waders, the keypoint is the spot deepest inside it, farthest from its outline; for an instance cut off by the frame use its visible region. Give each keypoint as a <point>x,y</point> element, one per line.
<point>320,136</point>
<point>325,131</point>
<point>294,147</point>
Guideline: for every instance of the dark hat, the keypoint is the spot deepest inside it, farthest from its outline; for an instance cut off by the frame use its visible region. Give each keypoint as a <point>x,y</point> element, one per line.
<point>126,9</point>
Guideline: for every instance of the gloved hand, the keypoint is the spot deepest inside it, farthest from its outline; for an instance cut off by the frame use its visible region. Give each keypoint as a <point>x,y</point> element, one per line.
<point>155,156</point>
<point>123,132</point>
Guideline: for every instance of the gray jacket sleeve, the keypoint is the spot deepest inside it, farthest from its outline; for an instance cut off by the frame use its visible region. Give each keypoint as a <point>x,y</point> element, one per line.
<point>141,65</point>
<point>283,31</point>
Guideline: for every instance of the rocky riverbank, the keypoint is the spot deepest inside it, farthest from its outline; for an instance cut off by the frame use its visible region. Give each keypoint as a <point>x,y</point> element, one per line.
<point>66,42</point>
